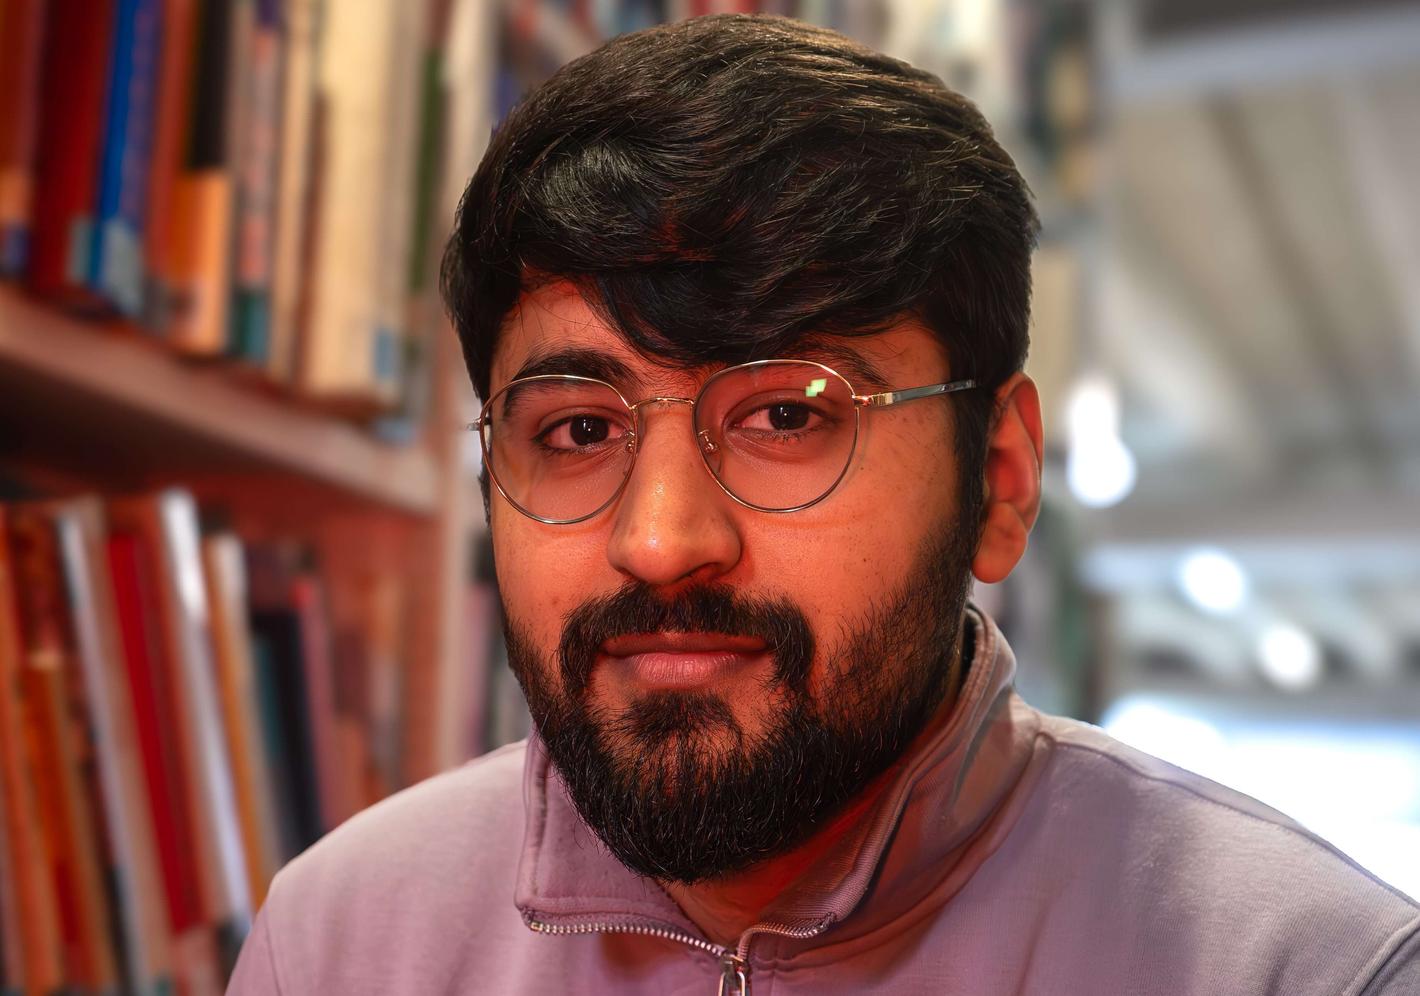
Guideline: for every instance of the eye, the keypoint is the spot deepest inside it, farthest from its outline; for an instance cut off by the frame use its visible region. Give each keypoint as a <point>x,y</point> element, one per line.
<point>580,432</point>
<point>780,416</point>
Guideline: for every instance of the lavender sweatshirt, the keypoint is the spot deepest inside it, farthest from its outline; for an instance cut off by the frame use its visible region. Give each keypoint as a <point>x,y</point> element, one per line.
<point>1014,853</point>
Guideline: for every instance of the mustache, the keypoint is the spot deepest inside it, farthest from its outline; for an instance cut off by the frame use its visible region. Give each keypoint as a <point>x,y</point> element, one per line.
<point>709,608</point>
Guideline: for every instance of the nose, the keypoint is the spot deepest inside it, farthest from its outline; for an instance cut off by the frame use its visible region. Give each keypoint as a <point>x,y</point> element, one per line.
<point>672,522</point>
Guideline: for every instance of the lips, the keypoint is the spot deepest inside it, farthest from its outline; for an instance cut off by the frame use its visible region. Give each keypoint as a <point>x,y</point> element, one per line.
<point>681,643</point>
<point>682,660</point>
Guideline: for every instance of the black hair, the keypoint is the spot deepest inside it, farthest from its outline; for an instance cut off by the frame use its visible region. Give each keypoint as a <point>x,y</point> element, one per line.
<point>722,188</point>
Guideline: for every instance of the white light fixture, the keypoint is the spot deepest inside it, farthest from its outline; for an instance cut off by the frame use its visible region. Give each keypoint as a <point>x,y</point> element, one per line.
<point>1099,468</point>
<point>1100,473</point>
<point>1168,732</point>
<point>1213,581</point>
<point>1289,657</point>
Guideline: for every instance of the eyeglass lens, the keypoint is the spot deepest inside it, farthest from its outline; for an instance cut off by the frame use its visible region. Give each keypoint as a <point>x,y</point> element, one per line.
<point>776,435</point>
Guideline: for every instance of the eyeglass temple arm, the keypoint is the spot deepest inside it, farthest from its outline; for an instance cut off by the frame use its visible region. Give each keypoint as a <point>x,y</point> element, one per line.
<point>911,394</point>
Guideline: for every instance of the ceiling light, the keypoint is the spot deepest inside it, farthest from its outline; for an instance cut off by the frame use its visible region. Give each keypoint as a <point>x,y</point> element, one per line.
<point>1213,581</point>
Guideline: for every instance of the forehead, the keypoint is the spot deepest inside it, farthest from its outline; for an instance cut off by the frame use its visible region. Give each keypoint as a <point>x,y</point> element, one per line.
<point>553,330</point>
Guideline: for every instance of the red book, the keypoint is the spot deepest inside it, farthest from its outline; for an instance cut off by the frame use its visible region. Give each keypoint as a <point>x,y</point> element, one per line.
<point>63,752</point>
<point>21,37</point>
<point>74,84</point>
<point>170,118</point>
<point>152,704</point>
<point>28,865</point>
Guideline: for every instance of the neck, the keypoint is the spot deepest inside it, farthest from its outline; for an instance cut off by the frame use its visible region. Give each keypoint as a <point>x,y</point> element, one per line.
<point>725,908</point>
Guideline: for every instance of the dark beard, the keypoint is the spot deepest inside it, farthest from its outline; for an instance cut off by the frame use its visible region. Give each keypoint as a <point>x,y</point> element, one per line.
<point>675,788</point>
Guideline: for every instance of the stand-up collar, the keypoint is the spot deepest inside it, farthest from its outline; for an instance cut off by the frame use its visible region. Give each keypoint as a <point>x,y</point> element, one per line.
<point>914,835</point>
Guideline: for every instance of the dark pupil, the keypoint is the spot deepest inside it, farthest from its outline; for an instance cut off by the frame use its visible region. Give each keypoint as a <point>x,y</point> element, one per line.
<point>787,417</point>
<point>586,430</point>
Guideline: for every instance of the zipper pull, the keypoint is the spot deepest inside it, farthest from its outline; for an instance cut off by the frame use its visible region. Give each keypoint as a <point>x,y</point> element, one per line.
<point>734,975</point>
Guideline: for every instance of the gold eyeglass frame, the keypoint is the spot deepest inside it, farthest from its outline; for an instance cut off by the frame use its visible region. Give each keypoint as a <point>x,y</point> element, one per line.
<point>482,425</point>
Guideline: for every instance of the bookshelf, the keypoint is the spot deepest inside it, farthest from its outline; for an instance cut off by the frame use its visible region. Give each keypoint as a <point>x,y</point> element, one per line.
<point>100,408</point>
<point>62,377</point>
<point>232,613</point>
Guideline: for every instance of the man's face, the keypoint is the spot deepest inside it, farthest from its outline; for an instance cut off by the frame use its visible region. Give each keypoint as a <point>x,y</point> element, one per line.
<point>713,682</point>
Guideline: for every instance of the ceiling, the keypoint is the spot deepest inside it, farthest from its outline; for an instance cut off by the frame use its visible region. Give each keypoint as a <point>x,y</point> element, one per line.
<point>1256,299</point>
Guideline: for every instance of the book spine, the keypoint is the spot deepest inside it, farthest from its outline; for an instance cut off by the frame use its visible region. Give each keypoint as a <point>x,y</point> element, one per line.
<point>142,922</point>
<point>73,85</point>
<point>397,171</point>
<point>226,587</point>
<point>349,360</point>
<point>202,199</point>
<point>402,426</point>
<point>309,600</point>
<point>26,862</point>
<point>116,266</point>
<point>256,158</point>
<point>138,626</point>
<point>64,754</point>
<point>224,878</point>
<point>21,44</point>
<point>161,234</point>
<point>281,677</point>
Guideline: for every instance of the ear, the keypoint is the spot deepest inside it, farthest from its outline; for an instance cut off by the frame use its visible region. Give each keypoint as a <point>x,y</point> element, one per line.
<point>1013,460</point>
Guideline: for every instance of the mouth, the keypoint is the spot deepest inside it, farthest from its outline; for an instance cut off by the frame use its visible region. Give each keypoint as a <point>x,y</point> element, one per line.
<point>682,660</point>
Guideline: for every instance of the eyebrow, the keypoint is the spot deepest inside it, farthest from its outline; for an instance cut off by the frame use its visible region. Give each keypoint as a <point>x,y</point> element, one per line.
<point>581,361</point>
<point>576,361</point>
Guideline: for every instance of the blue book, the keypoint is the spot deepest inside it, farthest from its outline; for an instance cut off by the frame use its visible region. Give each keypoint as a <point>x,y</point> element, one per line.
<point>115,264</point>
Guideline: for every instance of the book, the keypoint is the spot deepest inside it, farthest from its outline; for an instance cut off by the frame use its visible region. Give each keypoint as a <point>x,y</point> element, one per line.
<point>63,754</point>
<point>154,699</point>
<point>420,302</point>
<point>134,880</point>
<point>348,360</point>
<point>225,573</point>
<point>292,231</point>
<point>162,232</point>
<point>201,240</point>
<point>382,607</point>
<point>308,599</point>
<point>166,524</point>
<point>12,964</point>
<point>256,121</point>
<point>73,84</point>
<point>394,220</point>
<point>35,963</point>
<point>21,44</point>
<point>115,265</point>
<point>282,678</point>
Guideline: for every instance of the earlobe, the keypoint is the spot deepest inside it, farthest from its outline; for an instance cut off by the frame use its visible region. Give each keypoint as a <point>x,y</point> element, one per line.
<point>1012,480</point>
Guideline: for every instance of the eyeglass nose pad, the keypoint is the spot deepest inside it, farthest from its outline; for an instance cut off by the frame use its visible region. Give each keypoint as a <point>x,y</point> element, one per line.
<point>631,442</point>
<point>707,445</point>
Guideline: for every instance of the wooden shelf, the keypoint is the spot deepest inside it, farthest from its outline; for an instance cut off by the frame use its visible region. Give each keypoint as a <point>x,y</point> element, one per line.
<point>103,389</point>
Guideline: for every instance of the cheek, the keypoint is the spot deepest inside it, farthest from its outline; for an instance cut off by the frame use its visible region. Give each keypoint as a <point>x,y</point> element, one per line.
<point>841,558</point>
<point>541,578</point>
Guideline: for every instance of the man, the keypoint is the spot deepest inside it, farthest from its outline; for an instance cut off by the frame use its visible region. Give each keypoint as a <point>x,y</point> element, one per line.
<point>749,303</point>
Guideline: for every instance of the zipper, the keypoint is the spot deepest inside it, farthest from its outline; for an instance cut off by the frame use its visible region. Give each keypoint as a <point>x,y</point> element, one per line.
<point>734,965</point>
<point>733,969</point>
<point>782,930</point>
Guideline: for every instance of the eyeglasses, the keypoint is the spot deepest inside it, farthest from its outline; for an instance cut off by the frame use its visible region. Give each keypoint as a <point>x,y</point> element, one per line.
<point>776,435</point>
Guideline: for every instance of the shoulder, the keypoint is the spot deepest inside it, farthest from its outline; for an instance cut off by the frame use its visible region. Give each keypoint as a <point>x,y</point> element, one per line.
<point>471,808</point>
<point>1209,866</point>
<point>436,849</point>
<point>1163,802</point>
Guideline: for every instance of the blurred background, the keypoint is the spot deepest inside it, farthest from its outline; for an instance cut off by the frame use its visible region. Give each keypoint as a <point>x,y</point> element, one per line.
<point>245,586</point>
